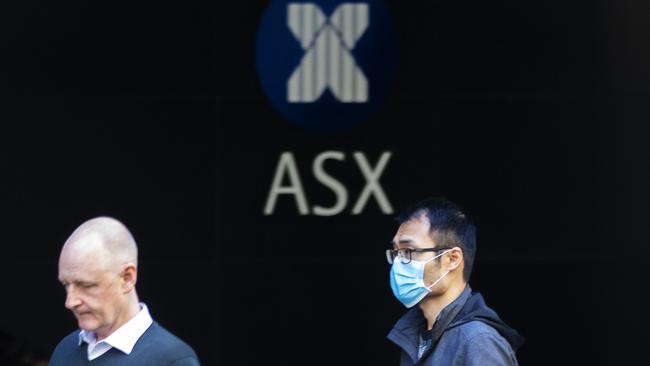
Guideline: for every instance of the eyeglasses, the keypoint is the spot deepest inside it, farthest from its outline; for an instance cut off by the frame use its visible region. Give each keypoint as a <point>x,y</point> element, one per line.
<point>405,254</point>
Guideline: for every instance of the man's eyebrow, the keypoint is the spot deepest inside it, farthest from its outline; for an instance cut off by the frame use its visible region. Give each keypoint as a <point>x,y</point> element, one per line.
<point>402,241</point>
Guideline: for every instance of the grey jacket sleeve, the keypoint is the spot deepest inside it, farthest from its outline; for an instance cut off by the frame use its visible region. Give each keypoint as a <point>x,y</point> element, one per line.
<point>488,349</point>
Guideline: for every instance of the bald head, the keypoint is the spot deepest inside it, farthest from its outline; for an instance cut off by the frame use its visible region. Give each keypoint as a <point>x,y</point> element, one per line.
<point>104,241</point>
<point>98,268</point>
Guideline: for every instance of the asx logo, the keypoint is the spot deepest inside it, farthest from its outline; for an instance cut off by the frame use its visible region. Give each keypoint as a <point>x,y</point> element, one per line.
<point>328,61</point>
<point>326,65</point>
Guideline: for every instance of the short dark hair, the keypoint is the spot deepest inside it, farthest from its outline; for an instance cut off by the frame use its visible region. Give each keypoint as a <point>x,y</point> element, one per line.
<point>450,226</point>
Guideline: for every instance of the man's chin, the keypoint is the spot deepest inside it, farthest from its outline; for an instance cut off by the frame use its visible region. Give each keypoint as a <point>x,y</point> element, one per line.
<point>89,325</point>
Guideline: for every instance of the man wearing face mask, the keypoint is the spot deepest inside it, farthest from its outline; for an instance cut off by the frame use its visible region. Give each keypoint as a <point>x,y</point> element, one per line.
<point>432,257</point>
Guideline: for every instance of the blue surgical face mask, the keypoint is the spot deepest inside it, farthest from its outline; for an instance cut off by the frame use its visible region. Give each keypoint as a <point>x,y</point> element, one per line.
<point>407,280</point>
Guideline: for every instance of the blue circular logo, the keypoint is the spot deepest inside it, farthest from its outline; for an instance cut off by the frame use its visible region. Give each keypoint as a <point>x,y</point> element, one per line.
<point>326,65</point>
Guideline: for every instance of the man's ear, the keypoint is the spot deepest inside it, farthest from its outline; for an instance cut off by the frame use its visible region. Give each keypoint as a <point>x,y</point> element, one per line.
<point>454,258</point>
<point>129,277</point>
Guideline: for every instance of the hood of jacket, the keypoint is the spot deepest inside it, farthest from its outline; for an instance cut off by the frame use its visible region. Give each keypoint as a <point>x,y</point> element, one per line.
<point>475,309</point>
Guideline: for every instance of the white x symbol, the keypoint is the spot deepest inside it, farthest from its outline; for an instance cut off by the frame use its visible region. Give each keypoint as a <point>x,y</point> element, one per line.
<point>328,61</point>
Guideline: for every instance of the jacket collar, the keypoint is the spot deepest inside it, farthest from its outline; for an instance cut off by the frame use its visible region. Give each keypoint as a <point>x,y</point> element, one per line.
<point>406,332</point>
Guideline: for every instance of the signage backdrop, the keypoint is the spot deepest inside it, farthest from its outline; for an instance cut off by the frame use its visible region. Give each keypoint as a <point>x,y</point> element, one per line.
<point>260,150</point>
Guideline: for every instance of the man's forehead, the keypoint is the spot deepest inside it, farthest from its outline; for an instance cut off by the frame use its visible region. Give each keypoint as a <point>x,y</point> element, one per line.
<point>413,231</point>
<point>72,271</point>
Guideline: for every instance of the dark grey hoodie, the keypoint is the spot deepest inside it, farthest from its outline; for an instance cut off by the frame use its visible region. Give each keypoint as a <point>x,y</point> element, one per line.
<point>466,332</point>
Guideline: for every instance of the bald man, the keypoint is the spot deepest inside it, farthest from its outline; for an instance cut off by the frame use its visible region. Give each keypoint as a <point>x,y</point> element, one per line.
<point>98,267</point>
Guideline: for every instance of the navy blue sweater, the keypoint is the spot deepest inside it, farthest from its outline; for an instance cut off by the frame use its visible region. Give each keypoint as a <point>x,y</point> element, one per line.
<point>156,347</point>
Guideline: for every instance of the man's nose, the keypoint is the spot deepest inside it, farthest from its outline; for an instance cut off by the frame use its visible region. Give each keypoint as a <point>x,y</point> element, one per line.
<point>71,299</point>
